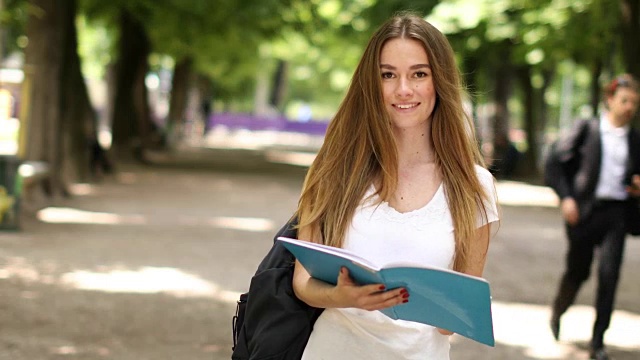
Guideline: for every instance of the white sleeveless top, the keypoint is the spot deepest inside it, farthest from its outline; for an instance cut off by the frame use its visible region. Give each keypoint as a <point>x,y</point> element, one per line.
<point>383,235</point>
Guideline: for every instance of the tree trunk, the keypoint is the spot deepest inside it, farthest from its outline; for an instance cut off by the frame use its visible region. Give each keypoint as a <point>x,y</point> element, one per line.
<point>541,105</point>
<point>530,158</point>
<point>540,126</point>
<point>43,58</point>
<point>80,147</point>
<point>630,24</point>
<point>500,100</point>
<point>279,88</point>
<point>180,84</point>
<point>595,87</point>
<point>500,121</point>
<point>131,123</point>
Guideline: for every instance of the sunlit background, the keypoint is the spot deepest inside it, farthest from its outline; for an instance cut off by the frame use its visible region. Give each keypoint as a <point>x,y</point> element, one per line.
<point>230,80</point>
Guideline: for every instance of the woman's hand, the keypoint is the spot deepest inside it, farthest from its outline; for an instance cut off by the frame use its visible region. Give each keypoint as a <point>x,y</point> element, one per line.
<point>345,294</point>
<point>367,297</point>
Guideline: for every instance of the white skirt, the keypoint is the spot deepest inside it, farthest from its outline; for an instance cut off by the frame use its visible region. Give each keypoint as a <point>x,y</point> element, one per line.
<point>359,334</point>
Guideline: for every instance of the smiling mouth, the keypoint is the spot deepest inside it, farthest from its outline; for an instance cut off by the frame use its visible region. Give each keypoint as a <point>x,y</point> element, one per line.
<point>406,106</point>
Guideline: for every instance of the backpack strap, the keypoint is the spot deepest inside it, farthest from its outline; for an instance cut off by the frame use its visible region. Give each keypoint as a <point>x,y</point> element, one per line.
<point>564,159</point>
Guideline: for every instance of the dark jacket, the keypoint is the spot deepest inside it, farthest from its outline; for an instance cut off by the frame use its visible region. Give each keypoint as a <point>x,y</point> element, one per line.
<point>572,168</point>
<point>277,324</point>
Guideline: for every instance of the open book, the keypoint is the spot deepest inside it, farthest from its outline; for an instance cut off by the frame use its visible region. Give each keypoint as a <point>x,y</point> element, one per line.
<point>438,297</point>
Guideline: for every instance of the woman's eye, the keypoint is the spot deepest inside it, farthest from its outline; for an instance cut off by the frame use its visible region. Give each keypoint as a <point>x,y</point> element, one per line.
<point>421,74</point>
<point>387,75</point>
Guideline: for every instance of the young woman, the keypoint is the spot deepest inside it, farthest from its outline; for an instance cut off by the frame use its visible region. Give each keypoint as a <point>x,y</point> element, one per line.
<point>399,177</point>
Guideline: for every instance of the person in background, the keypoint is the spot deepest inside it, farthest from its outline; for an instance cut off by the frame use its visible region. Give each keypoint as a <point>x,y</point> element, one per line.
<point>205,107</point>
<point>398,178</point>
<point>595,171</point>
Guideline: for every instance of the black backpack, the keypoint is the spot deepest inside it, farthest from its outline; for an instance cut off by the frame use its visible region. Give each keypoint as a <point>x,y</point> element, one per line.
<point>271,322</point>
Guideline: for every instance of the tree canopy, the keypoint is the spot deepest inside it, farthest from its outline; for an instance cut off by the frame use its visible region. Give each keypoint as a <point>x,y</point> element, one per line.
<point>518,56</point>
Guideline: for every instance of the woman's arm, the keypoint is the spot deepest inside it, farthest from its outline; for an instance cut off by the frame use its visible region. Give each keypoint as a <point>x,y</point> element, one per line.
<point>478,251</point>
<point>346,294</point>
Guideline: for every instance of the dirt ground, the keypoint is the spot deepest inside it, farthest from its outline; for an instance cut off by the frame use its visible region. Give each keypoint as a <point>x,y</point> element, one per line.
<point>147,264</point>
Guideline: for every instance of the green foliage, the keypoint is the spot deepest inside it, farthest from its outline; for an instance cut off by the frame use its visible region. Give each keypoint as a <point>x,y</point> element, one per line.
<point>230,41</point>
<point>382,10</point>
<point>326,43</point>
<point>541,34</point>
<point>221,36</point>
<point>321,40</point>
<point>95,44</point>
<point>13,19</point>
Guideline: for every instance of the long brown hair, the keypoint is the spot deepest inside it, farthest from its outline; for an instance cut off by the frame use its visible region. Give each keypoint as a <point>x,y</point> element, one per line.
<point>360,149</point>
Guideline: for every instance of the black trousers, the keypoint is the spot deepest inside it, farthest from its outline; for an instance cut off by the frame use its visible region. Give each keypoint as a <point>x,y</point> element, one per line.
<point>602,234</point>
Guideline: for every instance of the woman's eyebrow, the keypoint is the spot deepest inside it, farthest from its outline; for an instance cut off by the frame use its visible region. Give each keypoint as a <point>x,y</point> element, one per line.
<point>413,67</point>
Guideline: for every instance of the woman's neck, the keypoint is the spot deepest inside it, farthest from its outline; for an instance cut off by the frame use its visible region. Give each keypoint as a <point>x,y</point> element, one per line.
<point>414,147</point>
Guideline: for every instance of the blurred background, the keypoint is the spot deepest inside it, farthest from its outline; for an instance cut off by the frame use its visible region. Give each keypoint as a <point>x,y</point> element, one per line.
<point>193,119</point>
<point>83,77</point>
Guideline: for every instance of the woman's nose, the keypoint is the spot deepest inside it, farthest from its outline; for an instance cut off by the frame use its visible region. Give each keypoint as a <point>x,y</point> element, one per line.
<point>404,88</point>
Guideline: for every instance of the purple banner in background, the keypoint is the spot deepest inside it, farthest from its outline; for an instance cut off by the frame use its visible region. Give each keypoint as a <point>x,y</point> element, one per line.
<point>236,121</point>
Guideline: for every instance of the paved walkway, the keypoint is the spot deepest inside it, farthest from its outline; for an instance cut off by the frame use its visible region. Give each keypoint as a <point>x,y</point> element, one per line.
<point>147,265</point>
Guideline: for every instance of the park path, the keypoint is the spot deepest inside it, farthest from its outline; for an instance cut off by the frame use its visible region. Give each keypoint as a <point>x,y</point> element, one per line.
<point>147,263</point>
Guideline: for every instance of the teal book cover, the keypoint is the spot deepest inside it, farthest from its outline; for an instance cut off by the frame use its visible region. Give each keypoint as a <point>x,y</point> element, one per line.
<point>438,297</point>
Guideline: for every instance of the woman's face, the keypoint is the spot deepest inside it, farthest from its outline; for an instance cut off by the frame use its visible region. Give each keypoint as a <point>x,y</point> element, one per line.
<point>407,84</point>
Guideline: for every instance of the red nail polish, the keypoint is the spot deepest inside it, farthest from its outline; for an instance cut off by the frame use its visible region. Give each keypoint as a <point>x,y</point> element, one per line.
<point>405,296</point>
<point>381,287</point>
<point>405,301</point>
<point>403,291</point>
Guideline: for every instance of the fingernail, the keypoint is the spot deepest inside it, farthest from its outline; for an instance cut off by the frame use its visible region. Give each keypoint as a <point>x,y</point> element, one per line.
<point>405,296</point>
<point>403,291</point>
<point>381,287</point>
<point>405,301</point>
